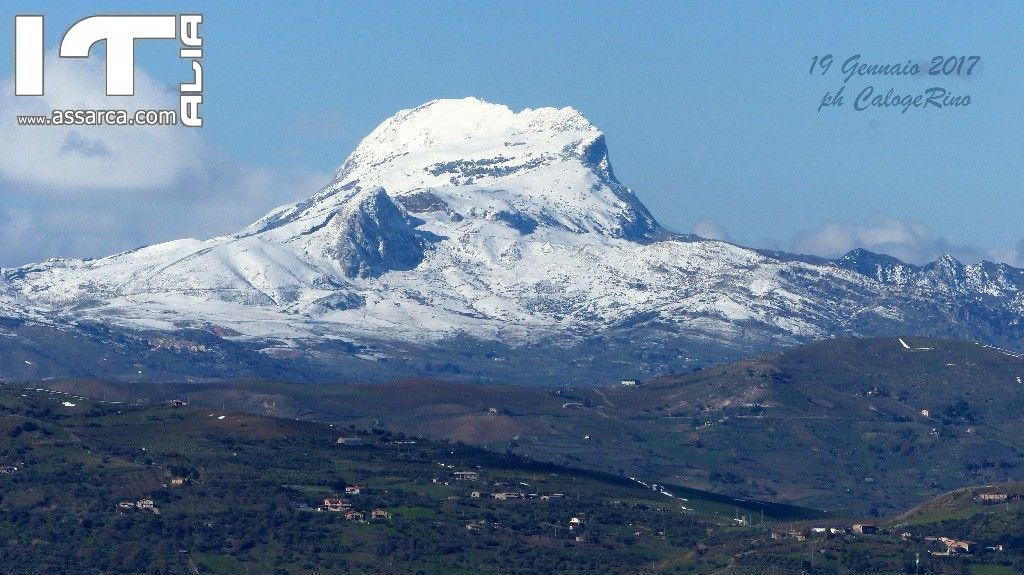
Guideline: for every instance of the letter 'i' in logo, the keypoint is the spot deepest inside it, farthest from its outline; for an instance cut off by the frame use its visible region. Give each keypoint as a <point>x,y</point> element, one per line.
<point>120,33</point>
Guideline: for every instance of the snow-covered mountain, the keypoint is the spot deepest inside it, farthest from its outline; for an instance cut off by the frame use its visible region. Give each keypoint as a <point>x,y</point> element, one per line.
<point>463,229</point>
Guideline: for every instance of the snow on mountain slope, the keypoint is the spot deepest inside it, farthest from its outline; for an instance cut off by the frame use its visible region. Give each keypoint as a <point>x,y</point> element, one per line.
<point>462,217</point>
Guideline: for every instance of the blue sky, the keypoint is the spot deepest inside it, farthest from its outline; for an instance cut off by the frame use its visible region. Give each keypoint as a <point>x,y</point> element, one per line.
<point>708,108</point>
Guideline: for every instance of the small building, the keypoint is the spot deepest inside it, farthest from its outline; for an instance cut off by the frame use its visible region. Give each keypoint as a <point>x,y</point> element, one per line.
<point>576,523</point>
<point>630,382</point>
<point>352,515</point>
<point>475,494</point>
<point>958,546</point>
<point>144,504</point>
<point>126,505</point>
<point>926,413</point>
<point>466,475</point>
<point>8,469</point>
<point>178,403</point>
<point>178,481</point>
<point>336,505</point>
<point>865,528</point>
<point>506,495</point>
<point>351,441</point>
<point>493,410</point>
<point>353,489</point>
<point>993,497</point>
<point>380,514</point>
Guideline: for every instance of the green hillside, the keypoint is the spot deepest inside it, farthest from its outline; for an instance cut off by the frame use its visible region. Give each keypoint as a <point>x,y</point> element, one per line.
<point>836,425</point>
<point>251,485</point>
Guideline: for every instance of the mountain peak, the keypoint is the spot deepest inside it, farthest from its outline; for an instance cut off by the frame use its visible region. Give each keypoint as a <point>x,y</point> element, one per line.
<point>421,143</point>
<point>466,166</point>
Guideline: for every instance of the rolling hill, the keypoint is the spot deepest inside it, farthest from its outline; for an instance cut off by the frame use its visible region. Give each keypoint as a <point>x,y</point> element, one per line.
<point>836,425</point>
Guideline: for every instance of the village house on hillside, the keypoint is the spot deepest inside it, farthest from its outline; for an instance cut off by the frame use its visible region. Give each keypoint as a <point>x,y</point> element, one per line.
<point>380,514</point>
<point>993,497</point>
<point>466,475</point>
<point>865,528</point>
<point>336,505</point>
<point>353,489</point>
<point>954,546</point>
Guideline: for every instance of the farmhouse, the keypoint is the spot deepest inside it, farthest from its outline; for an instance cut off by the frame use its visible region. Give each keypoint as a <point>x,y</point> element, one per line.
<point>379,514</point>
<point>958,546</point>
<point>178,481</point>
<point>353,489</point>
<point>466,475</point>
<point>354,515</point>
<point>954,546</point>
<point>506,495</point>
<point>993,497</point>
<point>126,505</point>
<point>144,504</point>
<point>629,382</point>
<point>336,505</point>
<point>576,522</point>
<point>865,528</point>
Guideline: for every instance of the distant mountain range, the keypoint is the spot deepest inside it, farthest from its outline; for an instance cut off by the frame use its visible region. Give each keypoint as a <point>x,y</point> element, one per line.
<point>464,239</point>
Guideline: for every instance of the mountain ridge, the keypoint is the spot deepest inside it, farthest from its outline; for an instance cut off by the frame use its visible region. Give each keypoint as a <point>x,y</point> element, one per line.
<point>461,220</point>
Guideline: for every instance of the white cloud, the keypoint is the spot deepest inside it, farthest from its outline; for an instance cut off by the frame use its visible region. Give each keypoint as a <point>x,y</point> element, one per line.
<point>93,191</point>
<point>710,230</point>
<point>65,160</point>
<point>907,240</point>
